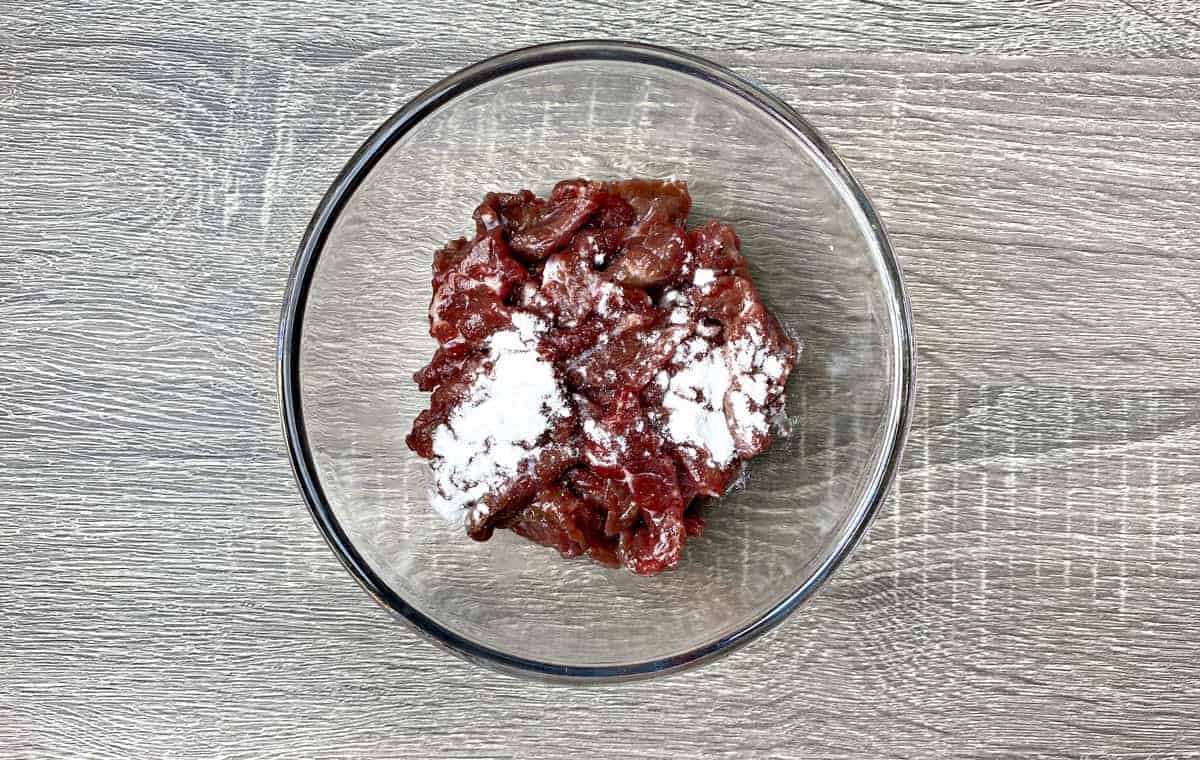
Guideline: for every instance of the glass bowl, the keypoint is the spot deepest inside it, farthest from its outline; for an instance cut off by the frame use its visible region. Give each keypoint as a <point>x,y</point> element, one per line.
<point>354,329</point>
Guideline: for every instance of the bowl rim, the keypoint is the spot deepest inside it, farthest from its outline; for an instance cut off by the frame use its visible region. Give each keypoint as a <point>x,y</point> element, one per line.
<point>355,171</point>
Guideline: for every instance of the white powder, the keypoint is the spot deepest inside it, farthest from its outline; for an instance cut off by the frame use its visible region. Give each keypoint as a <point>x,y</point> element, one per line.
<point>773,367</point>
<point>691,349</point>
<point>603,440</point>
<point>553,270</point>
<point>746,418</point>
<point>491,433</point>
<point>711,380</point>
<point>608,294</point>
<point>695,401</point>
<point>703,277</point>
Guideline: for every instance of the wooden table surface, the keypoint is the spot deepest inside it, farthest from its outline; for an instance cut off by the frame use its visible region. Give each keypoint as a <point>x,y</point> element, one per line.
<point>1030,590</point>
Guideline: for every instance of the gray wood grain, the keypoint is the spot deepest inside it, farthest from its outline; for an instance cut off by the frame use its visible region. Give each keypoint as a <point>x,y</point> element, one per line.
<point>1030,590</point>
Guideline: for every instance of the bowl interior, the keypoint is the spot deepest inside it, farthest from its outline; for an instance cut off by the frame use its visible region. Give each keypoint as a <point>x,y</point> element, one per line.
<point>813,257</point>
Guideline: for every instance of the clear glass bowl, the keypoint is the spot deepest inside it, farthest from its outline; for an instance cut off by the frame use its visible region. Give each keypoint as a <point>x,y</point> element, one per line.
<point>354,329</point>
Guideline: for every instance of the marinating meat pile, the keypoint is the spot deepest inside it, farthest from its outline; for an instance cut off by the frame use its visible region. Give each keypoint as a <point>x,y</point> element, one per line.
<point>601,371</point>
